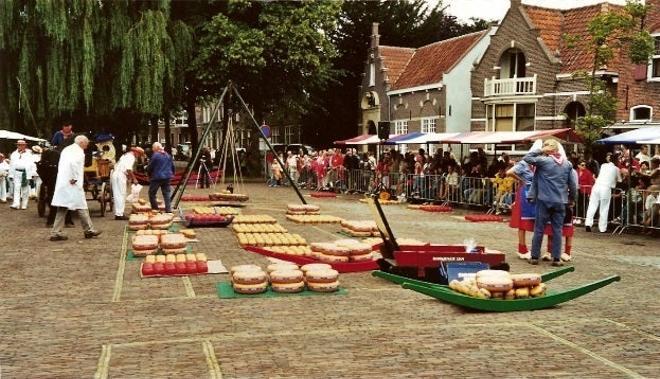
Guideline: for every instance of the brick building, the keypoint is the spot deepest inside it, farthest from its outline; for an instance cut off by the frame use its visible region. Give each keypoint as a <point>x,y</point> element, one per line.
<point>527,80</point>
<point>424,89</point>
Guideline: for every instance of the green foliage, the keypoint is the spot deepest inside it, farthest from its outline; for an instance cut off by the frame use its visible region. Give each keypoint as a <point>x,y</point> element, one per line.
<point>610,33</point>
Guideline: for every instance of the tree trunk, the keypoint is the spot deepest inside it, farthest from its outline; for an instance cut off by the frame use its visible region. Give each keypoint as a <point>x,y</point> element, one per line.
<point>154,128</point>
<point>168,132</point>
<point>192,122</point>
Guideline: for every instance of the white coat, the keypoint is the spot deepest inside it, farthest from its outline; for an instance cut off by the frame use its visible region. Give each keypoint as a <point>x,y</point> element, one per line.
<point>71,166</point>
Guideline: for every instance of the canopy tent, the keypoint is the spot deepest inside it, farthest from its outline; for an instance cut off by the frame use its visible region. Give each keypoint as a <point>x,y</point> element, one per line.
<point>404,138</point>
<point>566,134</point>
<point>7,134</point>
<point>364,139</point>
<point>650,142</point>
<point>636,136</point>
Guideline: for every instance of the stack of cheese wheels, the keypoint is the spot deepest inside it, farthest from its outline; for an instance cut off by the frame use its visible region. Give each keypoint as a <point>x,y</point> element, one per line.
<point>357,228</point>
<point>138,222</point>
<point>140,208</point>
<point>281,266</point>
<point>526,285</point>
<point>321,279</point>
<point>150,232</point>
<point>254,219</point>
<point>497,284</point>
<point>249,279</point>
<point>358,251</point>
<point>174,243</point>
<point>287,279</point>
<point>302,209</point>
<point>161,221</point>
<point>329,252</point>
<point>145,245</point>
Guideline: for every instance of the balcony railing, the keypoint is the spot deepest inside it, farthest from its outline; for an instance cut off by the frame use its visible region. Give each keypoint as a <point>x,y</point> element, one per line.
<point>510,86</point>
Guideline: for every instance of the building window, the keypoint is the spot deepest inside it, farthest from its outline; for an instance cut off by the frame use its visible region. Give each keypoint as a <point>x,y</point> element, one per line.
<point>429,124</point>
<point>511,117</point>
<point>290,134</point>
<point>275,135</point>
<point>400,127</point>
<point>654,64</point>
<point>372,74</point>
<point>641,113</point>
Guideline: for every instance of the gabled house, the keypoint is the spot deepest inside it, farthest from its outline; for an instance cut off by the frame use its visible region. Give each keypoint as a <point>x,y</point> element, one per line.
<point>527,78</point>
<point>425,89</point>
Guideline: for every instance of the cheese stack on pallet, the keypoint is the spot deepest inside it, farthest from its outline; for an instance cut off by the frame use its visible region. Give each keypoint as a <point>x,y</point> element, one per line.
<point>270,239</point>
<point>359,228</point>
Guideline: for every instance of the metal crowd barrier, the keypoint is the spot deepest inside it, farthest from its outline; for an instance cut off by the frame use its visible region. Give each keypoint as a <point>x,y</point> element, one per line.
<point>640,209</point>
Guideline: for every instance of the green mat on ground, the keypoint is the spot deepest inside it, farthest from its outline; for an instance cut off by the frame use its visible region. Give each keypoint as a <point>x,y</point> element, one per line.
<point>131,257</point>
<point>226,291</point>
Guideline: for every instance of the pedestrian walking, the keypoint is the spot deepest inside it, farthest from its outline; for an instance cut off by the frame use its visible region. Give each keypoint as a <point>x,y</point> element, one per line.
<point>601,193</point>
<point>122,173</point>
<point>69,193</point>
<point>161,171</point>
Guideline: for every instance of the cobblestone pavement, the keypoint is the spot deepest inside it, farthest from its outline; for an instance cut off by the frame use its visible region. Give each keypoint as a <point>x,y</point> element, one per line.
<point>78,309</point>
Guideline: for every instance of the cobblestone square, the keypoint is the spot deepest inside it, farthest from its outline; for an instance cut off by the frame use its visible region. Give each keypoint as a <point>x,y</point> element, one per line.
<point>79,309</point>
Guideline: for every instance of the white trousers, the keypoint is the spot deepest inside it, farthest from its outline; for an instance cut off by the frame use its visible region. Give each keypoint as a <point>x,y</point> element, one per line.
<point>37,187</point>
<point>118,182</point>
<point>599,201</point>
<point>3,188</point>
<point>21,193</point>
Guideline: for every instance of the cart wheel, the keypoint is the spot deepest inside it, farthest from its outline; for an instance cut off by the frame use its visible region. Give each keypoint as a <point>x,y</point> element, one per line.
<point>103,199</point>
<point>42,201</point>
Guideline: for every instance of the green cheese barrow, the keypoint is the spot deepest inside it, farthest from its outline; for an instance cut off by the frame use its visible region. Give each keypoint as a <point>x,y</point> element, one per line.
<point>448,295</point>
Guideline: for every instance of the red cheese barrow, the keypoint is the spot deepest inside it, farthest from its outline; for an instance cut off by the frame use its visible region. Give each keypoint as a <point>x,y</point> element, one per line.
<point>423,261</point>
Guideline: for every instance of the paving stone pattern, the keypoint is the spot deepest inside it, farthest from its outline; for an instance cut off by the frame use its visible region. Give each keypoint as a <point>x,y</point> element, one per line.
<point>66,310</point>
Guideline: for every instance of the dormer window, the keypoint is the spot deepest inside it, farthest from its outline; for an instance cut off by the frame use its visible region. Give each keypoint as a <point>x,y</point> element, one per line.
<point>641,113</point>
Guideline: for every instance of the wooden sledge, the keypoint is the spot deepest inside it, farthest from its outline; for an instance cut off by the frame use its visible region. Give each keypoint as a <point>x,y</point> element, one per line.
<point>551,298</point>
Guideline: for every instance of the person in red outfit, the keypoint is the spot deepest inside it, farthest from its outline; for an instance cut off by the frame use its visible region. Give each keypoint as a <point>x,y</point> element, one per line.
<point>586,180</point>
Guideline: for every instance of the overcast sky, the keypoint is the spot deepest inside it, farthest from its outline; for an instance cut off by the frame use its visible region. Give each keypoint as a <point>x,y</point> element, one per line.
<point>496,9</point>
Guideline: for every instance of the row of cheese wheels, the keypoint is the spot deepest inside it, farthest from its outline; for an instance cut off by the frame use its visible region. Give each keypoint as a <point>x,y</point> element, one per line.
<point>284,277</point>
<point>258,228</point>
<point>270,239</point>
<point>314,219</point>
<point>179,264</point>
<point>254,219</point>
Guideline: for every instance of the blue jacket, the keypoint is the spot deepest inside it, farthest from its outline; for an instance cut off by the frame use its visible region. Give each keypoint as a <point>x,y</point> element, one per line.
<point>555,182</point>
<point>161,166</point>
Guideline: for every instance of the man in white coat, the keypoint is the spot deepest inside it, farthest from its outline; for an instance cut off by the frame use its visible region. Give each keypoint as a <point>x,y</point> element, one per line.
<point>21,169</point>
<point>121,174</point>
<point>601,193</point>
<point>69,193</point>
<point>4,173</point>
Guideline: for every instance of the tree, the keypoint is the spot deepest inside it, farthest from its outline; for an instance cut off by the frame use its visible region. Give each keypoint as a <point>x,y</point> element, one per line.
<point>610,35</point>
<point>102,61</point>
<point>402,23</point>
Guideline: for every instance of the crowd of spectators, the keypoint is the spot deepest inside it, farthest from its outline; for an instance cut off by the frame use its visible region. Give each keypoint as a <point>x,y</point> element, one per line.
<point>476,179</point>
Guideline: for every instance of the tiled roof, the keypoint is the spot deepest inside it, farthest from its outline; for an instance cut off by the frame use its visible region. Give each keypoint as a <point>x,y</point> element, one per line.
<point>549,22</point>
<point>430,62</point>
<point>554,23</point>
<point>395,60</point>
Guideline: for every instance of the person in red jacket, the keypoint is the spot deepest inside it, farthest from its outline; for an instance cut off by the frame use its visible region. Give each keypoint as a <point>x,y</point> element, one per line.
<point>586,180</point>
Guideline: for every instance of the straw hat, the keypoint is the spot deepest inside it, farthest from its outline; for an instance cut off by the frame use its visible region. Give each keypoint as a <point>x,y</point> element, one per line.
<point>37,149</point>
<point>21,142</point>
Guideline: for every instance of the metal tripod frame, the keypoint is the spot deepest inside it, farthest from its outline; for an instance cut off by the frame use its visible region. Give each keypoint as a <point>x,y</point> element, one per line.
<point>181,187</point>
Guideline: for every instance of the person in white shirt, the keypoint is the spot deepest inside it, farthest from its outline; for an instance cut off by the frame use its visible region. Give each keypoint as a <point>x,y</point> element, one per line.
<point>69,193</point>
<point>4,173</point>
<point>601,193</point>
<point>643,155</point>
<point>21,170</point>
<point>122,173</point>
<point>292,166</point>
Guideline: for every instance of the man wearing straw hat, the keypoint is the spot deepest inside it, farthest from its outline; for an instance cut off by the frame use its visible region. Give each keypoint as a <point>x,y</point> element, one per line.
<point>21,170</point>
<point>69,193</point>
<point>554,186</point>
